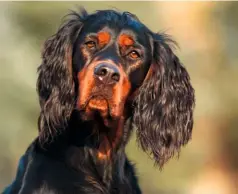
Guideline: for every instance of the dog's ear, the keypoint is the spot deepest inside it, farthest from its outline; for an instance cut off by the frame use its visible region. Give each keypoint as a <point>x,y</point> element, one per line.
<point>55,84</point>
<point>163,113</point>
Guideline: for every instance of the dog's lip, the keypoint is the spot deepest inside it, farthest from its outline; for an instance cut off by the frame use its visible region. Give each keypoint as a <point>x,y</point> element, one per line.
<point>99,96</point>
<point>83,107</point>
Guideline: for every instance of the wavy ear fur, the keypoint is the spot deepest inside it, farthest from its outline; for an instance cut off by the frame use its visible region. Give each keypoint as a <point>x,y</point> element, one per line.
<point>55,84</point>
<point>163,113</point>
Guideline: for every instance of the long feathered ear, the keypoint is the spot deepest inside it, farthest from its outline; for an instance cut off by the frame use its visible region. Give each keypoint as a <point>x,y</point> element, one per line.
<point>163,113</point>
<point>55,84</point>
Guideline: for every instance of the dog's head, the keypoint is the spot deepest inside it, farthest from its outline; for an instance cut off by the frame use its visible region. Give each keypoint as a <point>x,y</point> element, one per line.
<point>109,65</point>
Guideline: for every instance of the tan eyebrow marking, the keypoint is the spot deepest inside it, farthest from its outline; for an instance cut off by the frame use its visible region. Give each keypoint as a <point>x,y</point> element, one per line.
<point>103,38</point>
<point>125,40</point>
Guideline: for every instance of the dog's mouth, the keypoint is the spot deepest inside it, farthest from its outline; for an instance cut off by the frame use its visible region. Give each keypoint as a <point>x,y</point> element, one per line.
<point>97,107</point>
<point>98,104</point>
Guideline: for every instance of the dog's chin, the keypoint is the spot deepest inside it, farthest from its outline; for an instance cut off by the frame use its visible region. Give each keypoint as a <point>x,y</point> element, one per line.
<point>98,109</point>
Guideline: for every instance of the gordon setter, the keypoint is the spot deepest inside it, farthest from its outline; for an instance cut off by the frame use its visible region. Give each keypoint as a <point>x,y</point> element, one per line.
<point>103,75</point>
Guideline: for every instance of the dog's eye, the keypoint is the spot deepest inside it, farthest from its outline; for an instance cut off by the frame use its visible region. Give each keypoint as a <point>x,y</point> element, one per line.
<point>91,44</point>
<point>134,54</point>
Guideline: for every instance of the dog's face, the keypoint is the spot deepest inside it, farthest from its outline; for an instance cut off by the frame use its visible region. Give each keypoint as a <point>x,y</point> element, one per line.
<point>105,63</point>
<point>111,62</point>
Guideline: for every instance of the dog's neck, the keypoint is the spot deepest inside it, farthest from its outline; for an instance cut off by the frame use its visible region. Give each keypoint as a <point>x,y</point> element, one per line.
<point>101,146</point>
<point>94,133</point>
<point>82,144</point>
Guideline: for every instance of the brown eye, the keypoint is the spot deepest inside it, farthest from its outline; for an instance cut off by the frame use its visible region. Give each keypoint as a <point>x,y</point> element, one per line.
<point>91,44</point>
<point>134,54</point>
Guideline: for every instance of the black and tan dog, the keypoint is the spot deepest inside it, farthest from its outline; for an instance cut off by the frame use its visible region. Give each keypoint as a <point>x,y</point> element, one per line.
<point>103,75</point>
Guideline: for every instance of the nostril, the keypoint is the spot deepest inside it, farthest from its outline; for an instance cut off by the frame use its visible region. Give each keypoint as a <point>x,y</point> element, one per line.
<point>103,71</point>
<point>116,77</point>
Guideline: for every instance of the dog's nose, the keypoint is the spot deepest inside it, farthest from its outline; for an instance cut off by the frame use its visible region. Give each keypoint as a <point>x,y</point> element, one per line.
<point>107,73</point>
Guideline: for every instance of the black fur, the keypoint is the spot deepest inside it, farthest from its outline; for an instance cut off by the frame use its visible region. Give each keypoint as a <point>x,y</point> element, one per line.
<point>63,158</point>
<point>165,122</point>
<point>55,83</point>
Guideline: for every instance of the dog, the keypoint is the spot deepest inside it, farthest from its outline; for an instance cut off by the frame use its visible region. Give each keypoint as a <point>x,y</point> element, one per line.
<point>102,76</point>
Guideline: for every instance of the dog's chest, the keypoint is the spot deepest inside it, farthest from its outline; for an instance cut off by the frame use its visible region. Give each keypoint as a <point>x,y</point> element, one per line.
<point>64,180</point>
<point>86,187</point>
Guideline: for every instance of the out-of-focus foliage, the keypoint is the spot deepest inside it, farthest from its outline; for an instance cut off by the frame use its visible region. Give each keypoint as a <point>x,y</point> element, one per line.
<point>207,35</point>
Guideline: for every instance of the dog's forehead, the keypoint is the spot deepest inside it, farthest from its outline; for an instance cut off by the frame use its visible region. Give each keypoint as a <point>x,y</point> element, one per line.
<point>131,29</point>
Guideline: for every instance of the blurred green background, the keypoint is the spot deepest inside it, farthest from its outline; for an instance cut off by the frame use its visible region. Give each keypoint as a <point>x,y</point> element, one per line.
<point>207,33</point>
